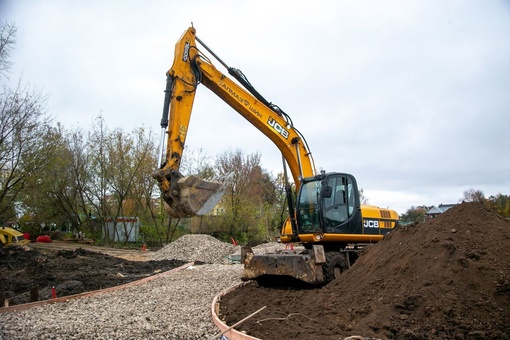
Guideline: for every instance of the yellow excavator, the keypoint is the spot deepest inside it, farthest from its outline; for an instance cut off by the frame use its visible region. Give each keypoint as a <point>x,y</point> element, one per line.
<point>326,221</point>
<point>11,237</point>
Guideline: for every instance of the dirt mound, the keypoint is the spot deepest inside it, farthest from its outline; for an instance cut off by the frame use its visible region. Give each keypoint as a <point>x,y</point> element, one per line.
<point>445,278</point>
<point>69,271</point>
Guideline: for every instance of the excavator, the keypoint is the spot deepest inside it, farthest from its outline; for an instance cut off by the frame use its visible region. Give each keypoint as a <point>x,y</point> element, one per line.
<point>11,237</point>
<point>326,221</point>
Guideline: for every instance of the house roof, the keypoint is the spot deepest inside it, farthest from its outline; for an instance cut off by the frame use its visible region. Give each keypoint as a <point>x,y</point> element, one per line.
<point>440,209</point>
<point>433,211</point>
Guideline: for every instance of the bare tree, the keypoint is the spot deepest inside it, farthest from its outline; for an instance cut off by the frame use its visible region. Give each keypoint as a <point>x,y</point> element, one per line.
<point>7,42</point>
<point>198,163</point>
<point>42,199</point>
<point>77,148</point>
<point>127,155</point>
<point>245,199</point>
<point>499,203</point>
<point>116,162</point>
<point>473,195</point>
<point>25,143</point>
<point>415,214</point>
<point>98,190</point>
<point>60,196</point>
<point>146,193</point>
<point>362,197</point>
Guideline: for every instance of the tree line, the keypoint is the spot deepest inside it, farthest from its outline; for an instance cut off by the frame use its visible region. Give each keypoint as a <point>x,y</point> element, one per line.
<point>75,180</point>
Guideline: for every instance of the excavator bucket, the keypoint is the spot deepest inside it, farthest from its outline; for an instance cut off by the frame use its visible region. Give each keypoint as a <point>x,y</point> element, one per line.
<point>194,196</point>
<point>305,266</point>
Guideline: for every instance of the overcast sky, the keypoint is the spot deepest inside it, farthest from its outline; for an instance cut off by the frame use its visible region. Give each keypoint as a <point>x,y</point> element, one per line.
<point>411,97</point>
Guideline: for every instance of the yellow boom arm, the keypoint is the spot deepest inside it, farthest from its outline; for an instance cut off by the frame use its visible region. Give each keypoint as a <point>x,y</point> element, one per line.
<point>189,69</point>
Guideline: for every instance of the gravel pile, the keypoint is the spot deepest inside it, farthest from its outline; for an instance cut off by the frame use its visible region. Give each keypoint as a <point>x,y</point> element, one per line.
<point>198,247</point>
<point>271,247</point>
<point>176,306</point>
<point>266,248</point>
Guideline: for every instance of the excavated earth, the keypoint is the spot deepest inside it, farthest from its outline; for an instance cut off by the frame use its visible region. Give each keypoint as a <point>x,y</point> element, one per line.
<point>447,278</point>
<point>25,271</point>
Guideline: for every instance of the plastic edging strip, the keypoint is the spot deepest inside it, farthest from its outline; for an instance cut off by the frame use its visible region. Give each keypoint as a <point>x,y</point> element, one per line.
<point>227,332</point>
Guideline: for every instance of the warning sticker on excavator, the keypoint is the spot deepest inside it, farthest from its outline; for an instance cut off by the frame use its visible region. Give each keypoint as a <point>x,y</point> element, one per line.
<point>185,54</point>
<point>182,132</point>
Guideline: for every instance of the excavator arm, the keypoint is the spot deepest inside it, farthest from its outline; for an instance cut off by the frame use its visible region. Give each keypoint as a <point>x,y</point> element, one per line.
<point>188,196</point>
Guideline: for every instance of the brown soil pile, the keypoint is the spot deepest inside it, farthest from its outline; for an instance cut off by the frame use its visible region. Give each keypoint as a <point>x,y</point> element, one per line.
<point>447,278</point>
<point>69,271</point>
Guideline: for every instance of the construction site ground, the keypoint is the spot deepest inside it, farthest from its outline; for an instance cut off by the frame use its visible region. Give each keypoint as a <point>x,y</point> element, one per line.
<point>447,278</point>
<point>71,268</point>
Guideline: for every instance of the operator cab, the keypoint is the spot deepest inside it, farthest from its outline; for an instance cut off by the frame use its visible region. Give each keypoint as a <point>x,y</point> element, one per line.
<point>329,203</point>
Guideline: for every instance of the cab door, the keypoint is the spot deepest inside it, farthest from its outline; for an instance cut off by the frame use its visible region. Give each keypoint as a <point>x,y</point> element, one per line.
<point>340,208</point>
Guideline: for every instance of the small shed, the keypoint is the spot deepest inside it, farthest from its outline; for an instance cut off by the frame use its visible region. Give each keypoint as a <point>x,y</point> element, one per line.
<point>124,229</point>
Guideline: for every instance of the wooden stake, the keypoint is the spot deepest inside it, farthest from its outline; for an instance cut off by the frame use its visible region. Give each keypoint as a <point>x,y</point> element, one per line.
<point>34,293</point>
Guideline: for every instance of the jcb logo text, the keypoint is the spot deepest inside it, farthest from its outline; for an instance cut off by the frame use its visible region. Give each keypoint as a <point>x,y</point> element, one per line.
<point>278,128</point>
<point>371,224</point>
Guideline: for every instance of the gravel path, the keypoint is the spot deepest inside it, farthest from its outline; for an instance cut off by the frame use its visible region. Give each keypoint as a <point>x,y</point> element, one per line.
<point>176,306</point>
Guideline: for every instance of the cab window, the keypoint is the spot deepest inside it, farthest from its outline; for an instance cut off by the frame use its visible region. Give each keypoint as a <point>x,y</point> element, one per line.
<point>340,206</point>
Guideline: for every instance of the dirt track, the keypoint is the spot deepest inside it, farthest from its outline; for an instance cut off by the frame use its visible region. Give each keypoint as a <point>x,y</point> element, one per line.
<point>127,254</point>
